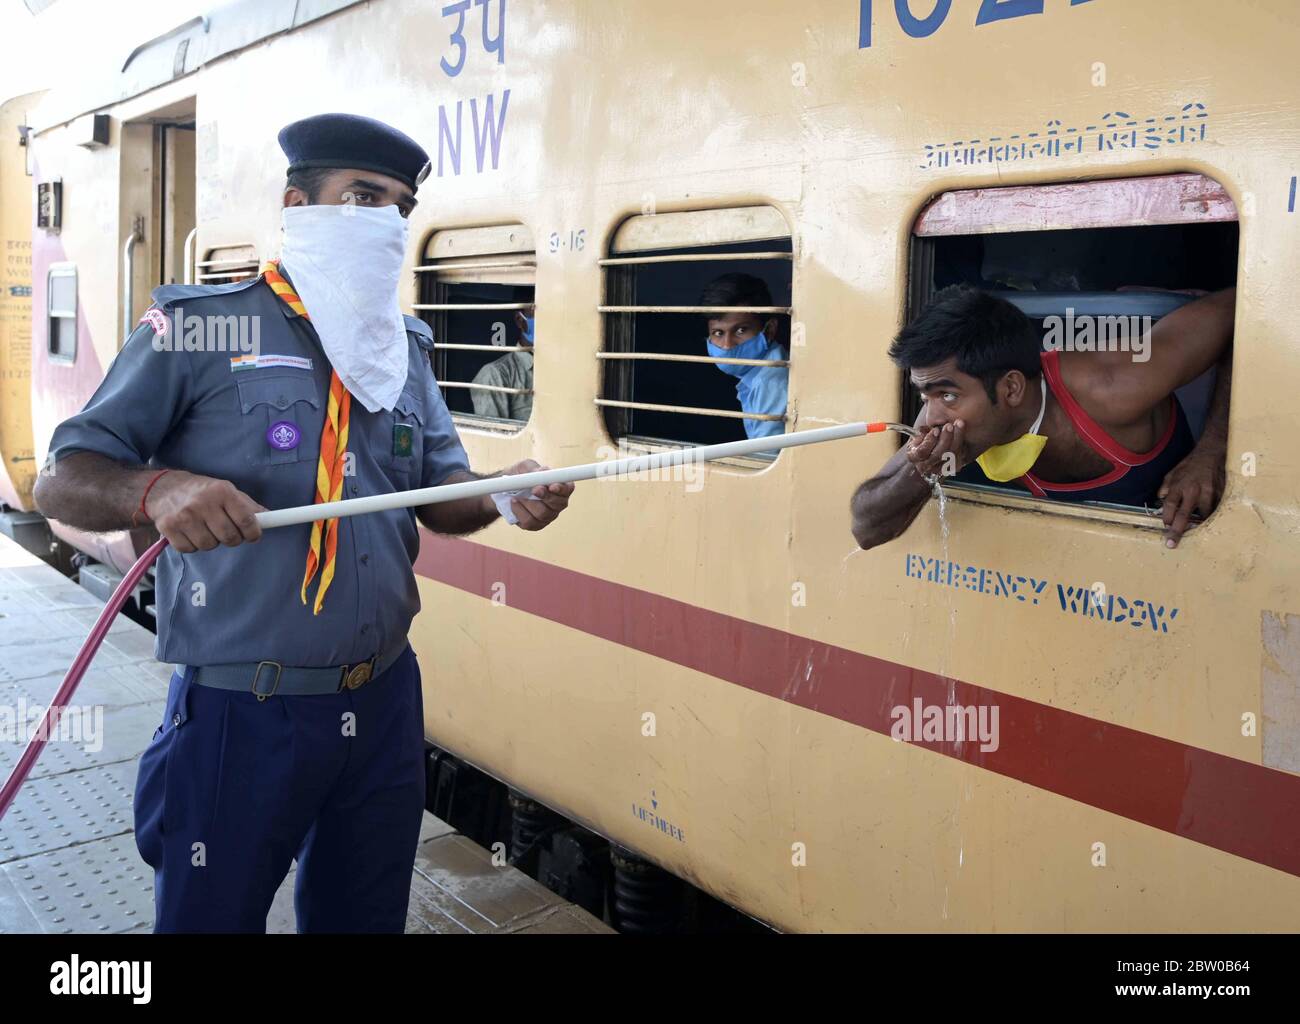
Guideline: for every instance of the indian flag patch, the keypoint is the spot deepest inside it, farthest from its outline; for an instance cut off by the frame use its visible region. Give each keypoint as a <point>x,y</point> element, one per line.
<point>257,362</point>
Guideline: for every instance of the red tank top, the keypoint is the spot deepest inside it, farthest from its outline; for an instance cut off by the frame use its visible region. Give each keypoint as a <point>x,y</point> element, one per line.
<point>1135,477</point>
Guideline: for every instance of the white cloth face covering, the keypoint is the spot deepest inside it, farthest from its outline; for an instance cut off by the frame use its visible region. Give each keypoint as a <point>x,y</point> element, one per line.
<point>345,263</point>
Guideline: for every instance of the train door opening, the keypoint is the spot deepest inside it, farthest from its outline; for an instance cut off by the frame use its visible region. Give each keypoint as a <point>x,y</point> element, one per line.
<point>158,206</point>
<point>174,144</point>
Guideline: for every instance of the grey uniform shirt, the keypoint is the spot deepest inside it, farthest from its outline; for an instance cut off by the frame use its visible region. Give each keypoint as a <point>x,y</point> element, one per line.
<point>192,410</point>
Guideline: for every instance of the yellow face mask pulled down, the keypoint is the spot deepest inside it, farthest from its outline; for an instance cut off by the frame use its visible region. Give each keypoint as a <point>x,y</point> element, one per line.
<point>1014,459</point>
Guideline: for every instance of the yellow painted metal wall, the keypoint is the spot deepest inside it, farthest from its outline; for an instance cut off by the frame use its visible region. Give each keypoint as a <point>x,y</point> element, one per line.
<point>17,460</point>
<point>689,106</point>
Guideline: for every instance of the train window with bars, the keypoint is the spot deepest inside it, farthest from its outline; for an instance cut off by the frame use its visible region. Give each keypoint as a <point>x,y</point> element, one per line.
<point>476,289</point>
<point>61,312</point>
<point>1104,258</point>
<point>667,380</point>
<point>227,264</point>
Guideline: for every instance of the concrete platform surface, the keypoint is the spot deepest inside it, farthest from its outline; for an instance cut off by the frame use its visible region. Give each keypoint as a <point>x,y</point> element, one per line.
<point>68,860</point>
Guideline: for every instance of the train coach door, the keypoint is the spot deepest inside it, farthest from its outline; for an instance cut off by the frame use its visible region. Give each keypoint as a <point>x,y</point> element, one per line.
<point>158,193</point>
<point>174,144</point>
<point>157,196</point>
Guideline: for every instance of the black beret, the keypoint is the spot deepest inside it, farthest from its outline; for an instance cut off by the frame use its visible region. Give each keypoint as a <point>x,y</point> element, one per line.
<point>348,140</point>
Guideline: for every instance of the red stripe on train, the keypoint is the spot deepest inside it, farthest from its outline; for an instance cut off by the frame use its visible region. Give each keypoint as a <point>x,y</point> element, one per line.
<point>1231,805</point>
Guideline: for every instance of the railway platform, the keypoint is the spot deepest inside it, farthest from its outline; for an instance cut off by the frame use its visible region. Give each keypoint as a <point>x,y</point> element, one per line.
<point>68,860</point>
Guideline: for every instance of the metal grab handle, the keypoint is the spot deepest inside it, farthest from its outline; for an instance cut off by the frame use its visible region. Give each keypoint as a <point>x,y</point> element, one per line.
<point>128,278</point>
<point>188,255</point>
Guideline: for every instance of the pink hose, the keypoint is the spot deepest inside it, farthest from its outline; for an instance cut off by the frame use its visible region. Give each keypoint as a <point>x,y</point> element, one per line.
<point>73,679</point>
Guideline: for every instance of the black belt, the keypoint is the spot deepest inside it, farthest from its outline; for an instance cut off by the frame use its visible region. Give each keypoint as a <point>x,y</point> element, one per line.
<point>270,678</point>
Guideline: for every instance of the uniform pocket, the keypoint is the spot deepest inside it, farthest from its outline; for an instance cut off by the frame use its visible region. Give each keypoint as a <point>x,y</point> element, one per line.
<point>150,802</point>
<point>278,416</point>
<point>399,444</point>
<point>150,797</point>
<point>195,764</point>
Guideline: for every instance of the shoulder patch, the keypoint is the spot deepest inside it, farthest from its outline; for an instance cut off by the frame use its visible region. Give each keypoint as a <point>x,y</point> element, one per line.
<point>156,319</point>
<point>422,331</point>
<point>167,295</point>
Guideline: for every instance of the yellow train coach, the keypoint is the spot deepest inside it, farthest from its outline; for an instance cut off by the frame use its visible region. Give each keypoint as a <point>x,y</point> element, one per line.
<point>705,668</point>
<point>17,460</point>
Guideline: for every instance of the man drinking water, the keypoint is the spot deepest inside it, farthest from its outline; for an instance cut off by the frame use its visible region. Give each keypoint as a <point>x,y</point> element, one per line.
<point>1072,426</point>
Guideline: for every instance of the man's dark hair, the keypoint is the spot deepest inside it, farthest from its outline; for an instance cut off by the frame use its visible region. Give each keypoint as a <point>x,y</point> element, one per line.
<point>736,290</point>
<point>988,336</point>
<point>309,179</point>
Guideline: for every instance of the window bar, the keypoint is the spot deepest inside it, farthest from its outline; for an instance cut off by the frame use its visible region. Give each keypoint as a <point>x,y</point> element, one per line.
<point>690,410</point>
<point>229,275</point>
<point>489,265</point>
<point>242,262</point>
<point>785,310</point>
<point>452,307</point>
<point>483,348</point>
<point>485,387</point>
<point>693,257</point>
<point>672,357</point>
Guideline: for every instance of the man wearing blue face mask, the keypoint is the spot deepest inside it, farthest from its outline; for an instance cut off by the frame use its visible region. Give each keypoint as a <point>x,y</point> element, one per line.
<point>514,370</point>
<point>761,390</point>
<point>293,727</point>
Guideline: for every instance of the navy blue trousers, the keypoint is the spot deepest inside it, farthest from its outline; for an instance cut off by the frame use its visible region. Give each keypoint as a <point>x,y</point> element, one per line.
<point>232,789</point>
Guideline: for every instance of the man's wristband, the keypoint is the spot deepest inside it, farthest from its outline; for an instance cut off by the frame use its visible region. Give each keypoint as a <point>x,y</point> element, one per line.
<point>142,513</point>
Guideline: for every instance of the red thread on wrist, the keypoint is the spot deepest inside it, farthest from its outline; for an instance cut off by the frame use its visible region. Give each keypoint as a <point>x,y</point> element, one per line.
<point>142,511</point>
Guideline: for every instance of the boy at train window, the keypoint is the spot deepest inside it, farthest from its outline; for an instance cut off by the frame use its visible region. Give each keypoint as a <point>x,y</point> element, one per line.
<point>759,389</point>
<point>1074,426</point>
<point>512,370</point>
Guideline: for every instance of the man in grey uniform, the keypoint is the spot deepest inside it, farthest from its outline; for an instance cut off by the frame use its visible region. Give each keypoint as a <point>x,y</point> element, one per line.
<point>294,721</point>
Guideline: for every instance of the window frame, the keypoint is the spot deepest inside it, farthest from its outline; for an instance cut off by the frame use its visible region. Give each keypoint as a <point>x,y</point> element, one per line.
<point>640,240</point>
<point>1138,201</point>
<point>240,268</point>
<point>508,246</point>
<point>65,269</point>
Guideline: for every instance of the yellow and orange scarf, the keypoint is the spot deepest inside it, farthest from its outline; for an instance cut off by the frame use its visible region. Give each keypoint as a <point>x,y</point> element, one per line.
<point>329,467</point>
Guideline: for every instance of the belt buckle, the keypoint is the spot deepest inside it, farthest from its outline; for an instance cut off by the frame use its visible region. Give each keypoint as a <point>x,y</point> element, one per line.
<point>258,674</point>
<point>359,674</point>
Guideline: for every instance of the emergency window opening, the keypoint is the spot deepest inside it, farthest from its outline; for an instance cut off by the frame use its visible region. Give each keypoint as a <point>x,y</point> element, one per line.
<point>61,312</point>
<point>661,385</point>
<point>227,265</point>
<point>1063,276</point>
<point>477,293</point>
